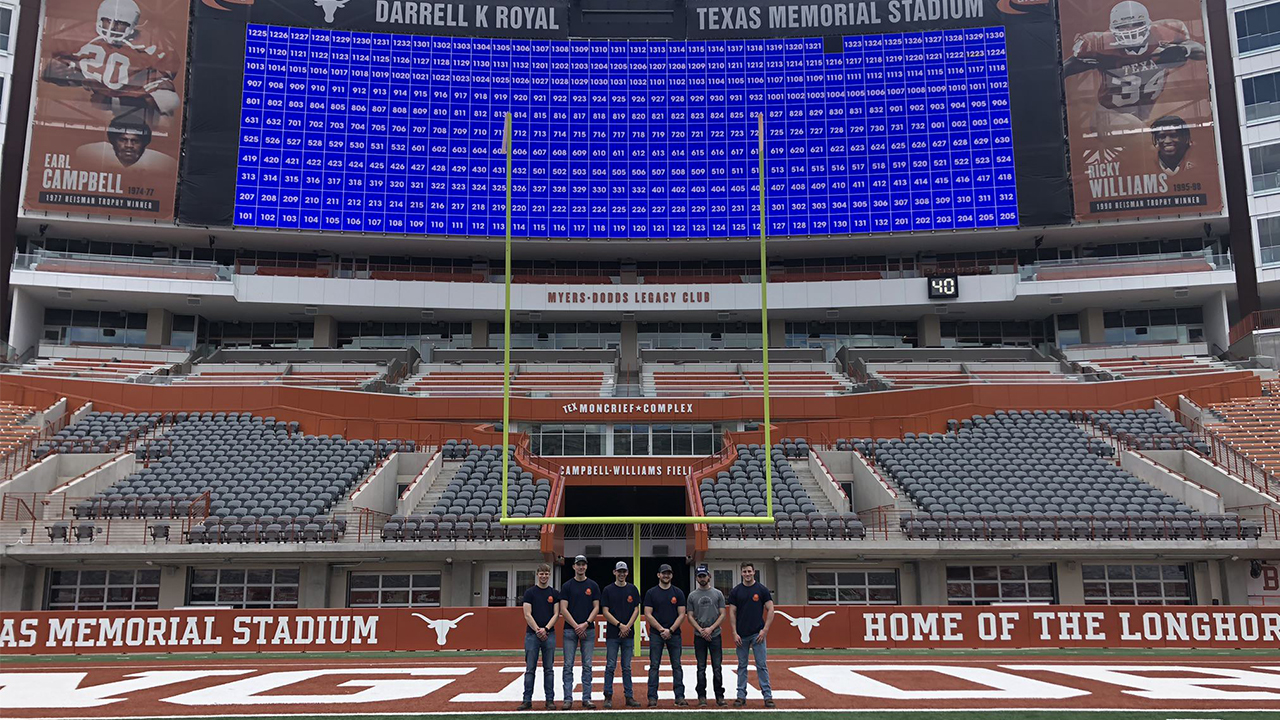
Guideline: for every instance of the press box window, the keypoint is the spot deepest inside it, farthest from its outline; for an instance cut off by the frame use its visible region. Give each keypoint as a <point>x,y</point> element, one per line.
<point>241,589</point>
<point>852,587</point>
<point>1137,585</point>
<point>391,590</point>
<point>103,590</point>
<point>991,584</point>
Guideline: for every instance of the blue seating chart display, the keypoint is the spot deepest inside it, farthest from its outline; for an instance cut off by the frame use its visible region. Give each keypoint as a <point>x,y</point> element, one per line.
<point>378,133</point>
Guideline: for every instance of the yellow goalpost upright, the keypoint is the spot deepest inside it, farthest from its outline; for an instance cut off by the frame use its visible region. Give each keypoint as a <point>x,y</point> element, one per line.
<point>633,520</point>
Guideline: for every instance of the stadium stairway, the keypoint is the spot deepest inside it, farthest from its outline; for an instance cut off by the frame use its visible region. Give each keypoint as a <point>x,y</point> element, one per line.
<point>810,485</point>
<point>432,497</point>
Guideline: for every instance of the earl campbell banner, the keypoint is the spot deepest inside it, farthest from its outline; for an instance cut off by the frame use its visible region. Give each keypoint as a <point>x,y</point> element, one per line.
<point>503,628</point>
<point>106,131</point>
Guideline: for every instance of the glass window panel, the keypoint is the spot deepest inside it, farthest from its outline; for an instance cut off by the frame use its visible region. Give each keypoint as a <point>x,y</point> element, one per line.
<point>258,577</point>
<point>395,597</point>
<point>426,598</point>
<point>982,572</point>
<point>205,594</point>
<point>204,577</point>
<point>148,577</point>
<point>1146,572</point>
<point>258,593</point>
<point>1012,572</point>
<point>64,577</point>
<point>958,572</point>
<point>286,595</point>
<point>120,577</point>
<point>287,576</point>
<point>226,577</point>
<point>361,598</point>
<point>822,578</point>
<point>363,580</point>
<point>93,577</point>
<point>230,594</point>
<point>395,581</point>
<point>1094,572</point>
<point>822,594</point>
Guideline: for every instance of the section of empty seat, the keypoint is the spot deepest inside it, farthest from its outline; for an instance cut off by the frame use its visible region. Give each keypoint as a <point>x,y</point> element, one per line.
<point>102,432</point>
<point>1033,475</point>
<point>337,376</point>
<point>1145,429</point>
<point>13,431</point>
<point>740,492</point>
<point>527,379</point>
<point>730,379</point>
<point>90,368</point>
<point>1251,427</point>
<point>470,508</point>
<point>905,375</point>
<point>1140,367</point>
<point>264,480</point>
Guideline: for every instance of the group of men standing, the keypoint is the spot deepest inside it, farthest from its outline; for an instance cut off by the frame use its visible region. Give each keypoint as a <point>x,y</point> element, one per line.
<point>746,614</point>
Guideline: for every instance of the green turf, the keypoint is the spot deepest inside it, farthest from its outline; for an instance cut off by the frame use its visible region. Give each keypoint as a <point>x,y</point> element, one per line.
<point>450,654</point>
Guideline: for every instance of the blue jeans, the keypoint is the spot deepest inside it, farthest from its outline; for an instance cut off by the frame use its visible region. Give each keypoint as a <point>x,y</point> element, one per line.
<point>750,645</point>
<point>618,649</point>
<point>672,644</point>
<point>532,648</point>
<point>572,645</point>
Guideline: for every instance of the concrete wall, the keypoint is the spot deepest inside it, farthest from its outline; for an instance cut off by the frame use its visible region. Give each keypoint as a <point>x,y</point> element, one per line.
<point>52,471</point>
<point>18,584</point>
<point>26,321</point>
<point>1217,326</point>
<point>1234,493</point>
<point>1070,582</point>
<point>50,414</point>
<point>830,488</point>
<point>95,479</point>
<point>381,491</point>
<point>1195,496</point>
<point>869,490</point>
<point>426,469</point>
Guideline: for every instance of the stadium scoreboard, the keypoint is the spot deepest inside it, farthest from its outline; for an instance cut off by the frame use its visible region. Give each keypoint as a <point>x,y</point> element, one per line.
<point>390,133</point>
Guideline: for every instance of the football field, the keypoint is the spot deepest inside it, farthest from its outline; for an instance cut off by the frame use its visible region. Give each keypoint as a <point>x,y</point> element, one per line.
<point>1030,685</point>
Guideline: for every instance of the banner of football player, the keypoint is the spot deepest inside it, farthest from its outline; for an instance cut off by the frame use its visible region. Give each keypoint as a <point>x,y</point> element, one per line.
<point>107,129</point>
<point>1138,109</point>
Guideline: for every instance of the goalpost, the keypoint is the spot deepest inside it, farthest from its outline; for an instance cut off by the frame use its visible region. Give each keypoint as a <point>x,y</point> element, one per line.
<point>634,520</point>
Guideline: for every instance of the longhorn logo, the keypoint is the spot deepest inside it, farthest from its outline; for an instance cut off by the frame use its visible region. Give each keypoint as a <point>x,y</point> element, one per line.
<point>442,626</point>
<point>805,624</point>
<point>330,6</point>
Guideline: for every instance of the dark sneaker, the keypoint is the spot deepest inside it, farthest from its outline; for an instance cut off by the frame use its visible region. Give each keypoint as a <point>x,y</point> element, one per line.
<point>631,703</point>
<point>608,703</point>
<point>681,702</point>
<point>721,703</point>
<point>588,705</point>
<point>702,702</point>
<point>525,706</point>
<point>653,703</point>
<point>739,702</point>
<point>551,705</point>
<point>769,704</point>
<point>568,704</point>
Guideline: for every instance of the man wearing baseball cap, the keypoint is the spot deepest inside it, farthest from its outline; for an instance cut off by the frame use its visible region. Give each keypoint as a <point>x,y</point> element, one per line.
<point>620,602</point>
<point>579,604</point>
<point>706,613</point>
<point>664,609</point>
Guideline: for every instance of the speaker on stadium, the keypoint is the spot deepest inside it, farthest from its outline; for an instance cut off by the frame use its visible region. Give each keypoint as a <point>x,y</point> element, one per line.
<point>1255,569</point>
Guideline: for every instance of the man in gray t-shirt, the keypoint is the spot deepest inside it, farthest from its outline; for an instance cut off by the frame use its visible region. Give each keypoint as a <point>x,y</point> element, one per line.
<point>706,613</point>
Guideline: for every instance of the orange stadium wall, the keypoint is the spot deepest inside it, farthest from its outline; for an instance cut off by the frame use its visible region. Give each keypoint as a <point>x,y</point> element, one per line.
<point>374,415</point>
<point>416,630</point>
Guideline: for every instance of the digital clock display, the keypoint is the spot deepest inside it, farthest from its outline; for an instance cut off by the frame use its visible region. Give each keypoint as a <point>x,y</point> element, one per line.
<point>944,287</point>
